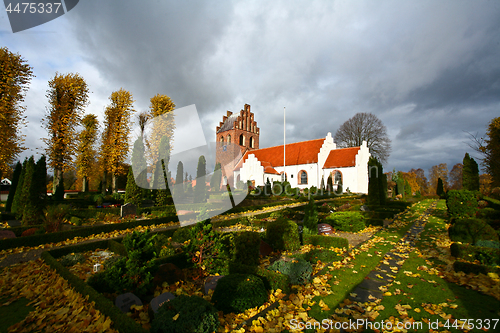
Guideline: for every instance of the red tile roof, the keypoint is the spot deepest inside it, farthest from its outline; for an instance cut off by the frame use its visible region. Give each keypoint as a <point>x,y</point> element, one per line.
<point>341,158</point>
<point>304,152</point>
<point>268,168</point>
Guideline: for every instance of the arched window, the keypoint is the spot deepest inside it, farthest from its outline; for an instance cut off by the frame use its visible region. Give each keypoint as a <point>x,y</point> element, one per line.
<point>338,177</point>
<point>229,139</point>
<point>303,177</point>
<point>242,140</point>
<point>221,140</point>
<point>251,142</point>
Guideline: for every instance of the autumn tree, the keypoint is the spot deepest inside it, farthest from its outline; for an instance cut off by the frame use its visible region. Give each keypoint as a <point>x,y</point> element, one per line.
<point>365,127</point>
<point>492,150</point>
<point>68,95</point>
<point>115,144</point>
<point>456,176</point>
<point>411,180</point>
<point>162,117</point>
<point>85,160</point>
<point>436,172</point>
<point>15,76</point>
<point>421,180</point>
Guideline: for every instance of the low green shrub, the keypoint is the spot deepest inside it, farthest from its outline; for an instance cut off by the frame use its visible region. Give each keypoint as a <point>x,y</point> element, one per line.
<point>471,230</point>
<point>236,293</point>
<point>272,280</point>
<point>468,267</point>
<point>76,221</point>
<point>346,221</point>
<point>246,247</point>
<point>461,204</point>
<point>182,234</point>
<point>194,314</point>
<point>488,243</point>
<point>488,213</point>
<point>468,252</point>
<point>326,241</point>
<point>283,235</point>
<point>322,255</point>
<point>72,259</point>
<point>493,203</point>
<point>298,270</point>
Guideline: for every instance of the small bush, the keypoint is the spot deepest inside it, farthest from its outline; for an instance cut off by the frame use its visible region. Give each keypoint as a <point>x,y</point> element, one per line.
<point>322,255</point>
<point>485,255</point>
<point>54,217</point>
<point>326,241</point>
<point>471,230</point>
<point>346,221</point>
<point>246,247</point>
<point>468,267</point>
<point>72,259</point>
<point>182,234</point>
<point>76,221</point>
<point>488,213</point>
<point>239,292</point>
<point>298,270</point>
<point>194,315</point>
<point>283,235</point>
<point>461,204</point>
<point>272,280</point>
<point>488,243</point>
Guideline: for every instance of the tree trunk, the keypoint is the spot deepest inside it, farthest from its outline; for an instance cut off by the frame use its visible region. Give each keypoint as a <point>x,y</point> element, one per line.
<point>104,182</point>
<point>58,178</point>
<point>113,182</point>
<point>85,184</point>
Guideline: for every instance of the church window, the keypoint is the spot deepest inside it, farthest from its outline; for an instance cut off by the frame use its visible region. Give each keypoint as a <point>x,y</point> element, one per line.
<point>338,177</point>
<point>303,177</point>
<point>221,140</point>
<point>242,140</point>
<point>229,139</point>
<point>251,142</point>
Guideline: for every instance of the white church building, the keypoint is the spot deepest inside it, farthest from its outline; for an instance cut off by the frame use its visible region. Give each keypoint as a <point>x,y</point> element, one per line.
<point>305,164</point>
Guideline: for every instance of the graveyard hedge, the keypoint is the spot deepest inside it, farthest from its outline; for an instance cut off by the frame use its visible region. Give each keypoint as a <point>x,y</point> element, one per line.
<point>121,321</point>
<point>471,231</point>
<point>272,280</point>
<point>493,203</point>
<point>461,204</point>
<point>283,235</point>
<point>470,252</point>
<point>326,241</point>
<point>346,221</point>
<point>468,267</point>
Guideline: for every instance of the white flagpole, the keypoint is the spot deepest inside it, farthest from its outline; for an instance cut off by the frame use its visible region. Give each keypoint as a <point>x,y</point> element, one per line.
<point>284,142</point>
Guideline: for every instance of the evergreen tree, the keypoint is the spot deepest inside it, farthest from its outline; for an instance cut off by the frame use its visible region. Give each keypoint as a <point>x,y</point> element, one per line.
<point>28,202</point>
<point>383,188</point>
<point>311,216</point>
<point>440,188</point>
<point>41,179</point>
<point>17,207</point>
<point>13,187</point>
<point>373,182</point>
<point>470,174</point>
<point>322,185</point>
<point>59,194</point>
<point>133,193</point>
<point>329,183</point>
<point>215,181</point>
<point>200,187</point>
<point>179,178</point>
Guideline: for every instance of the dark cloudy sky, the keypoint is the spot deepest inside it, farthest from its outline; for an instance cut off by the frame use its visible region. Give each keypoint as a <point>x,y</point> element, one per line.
<point>430,70</point>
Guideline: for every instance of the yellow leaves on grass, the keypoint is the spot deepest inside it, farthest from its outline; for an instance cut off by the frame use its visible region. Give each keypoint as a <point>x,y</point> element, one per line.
<point>58,307</point>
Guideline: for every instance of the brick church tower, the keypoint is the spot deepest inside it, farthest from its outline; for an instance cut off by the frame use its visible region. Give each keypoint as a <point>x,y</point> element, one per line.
<point>241,131</point>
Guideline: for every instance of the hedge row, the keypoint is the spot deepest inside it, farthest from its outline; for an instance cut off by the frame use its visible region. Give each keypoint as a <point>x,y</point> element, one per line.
<point>470,252</point>
<point>493,203</point>
<point>326,241</point>
<point>468,267</point>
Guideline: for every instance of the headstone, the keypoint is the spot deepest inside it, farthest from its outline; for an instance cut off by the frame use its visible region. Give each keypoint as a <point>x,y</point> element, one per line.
<point>128,209</point>
<point>125,301</point>
<point>160,300</point>
<point>7,234</point>
<point>325,229</point>
<point>265,249</point>
<point>168,273</point>
<point>211,282</point>
<point>364,208</point>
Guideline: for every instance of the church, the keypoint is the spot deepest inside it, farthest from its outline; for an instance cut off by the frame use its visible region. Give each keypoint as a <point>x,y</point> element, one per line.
<point>306,163</point>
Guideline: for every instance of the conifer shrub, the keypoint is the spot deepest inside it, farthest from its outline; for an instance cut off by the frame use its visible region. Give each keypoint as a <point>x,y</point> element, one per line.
<point>236,293</point>
<point>186,314</point>
<point>471,230</point>
<point>13,188</point>
<point>283,235</point>
<point>461,204</point>
<point>346,221</point>
<point>311,216</point>
<point>322,255</point>
<point>298,270</point>
<point>272,280</point>
<point>182,234</point>
<point>246,247</point>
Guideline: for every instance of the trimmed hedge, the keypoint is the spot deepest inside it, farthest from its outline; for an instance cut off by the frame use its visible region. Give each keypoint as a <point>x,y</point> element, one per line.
<point>470,253</point>
<point>283,235</point>
<point>236,293</point>
<point>461,204</point>
<point>272,280</point>
<point>121,321</point>
<point>493,203</point>
<point>246,247</point>
<point>326,241</point>
<point>468,267</point>
<point>346,221</point>
<point>471,230</point>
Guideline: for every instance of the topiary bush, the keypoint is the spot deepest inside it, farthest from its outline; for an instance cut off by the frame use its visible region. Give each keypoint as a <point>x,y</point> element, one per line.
<point>346,221</point>
<point>236,293</point>
<point>283,235</point>
<point>326,241</point>
<point>272,280</point>
<point>471,230</point>
<point>246,247</point>
<point>72,259</point>
<point>186,314</point>
<point>461,204</point>
<point>298,270</point>
<point>322,255</point>
<point>182,234</point>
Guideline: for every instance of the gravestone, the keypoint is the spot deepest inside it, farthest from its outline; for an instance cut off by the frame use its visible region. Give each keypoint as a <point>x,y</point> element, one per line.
<point>125,301</point>
<point>265,249</point>
<point>211,283</point>
<point>128,209</point>
<point>364,208</point>
<point>325,229</point>
<point>160,300</point>
<point>7,234</point>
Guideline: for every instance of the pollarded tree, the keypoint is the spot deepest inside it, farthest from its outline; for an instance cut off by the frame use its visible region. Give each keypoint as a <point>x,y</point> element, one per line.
<point>115,137</point>
<point>68,95</point>
<point>14,186</point>
<point>15,75</point>
<point>365,127</point>
<point>200,190</point>
<point>85,160</point>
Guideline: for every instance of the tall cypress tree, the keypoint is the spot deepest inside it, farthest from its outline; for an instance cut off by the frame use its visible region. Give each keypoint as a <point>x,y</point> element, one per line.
<point>179,178</point>
<point>13,187</point>
<point>440,188</point>
<point>17,207</point>
<point>470,174</point>
<point>215,181</point>
<point>133,193</point>
<point>373,182</point>
<point>28,198</point>
<point>200,191</point>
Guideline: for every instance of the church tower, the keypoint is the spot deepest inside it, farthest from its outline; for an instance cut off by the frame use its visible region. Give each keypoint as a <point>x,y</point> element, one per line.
<point>240,130</point>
